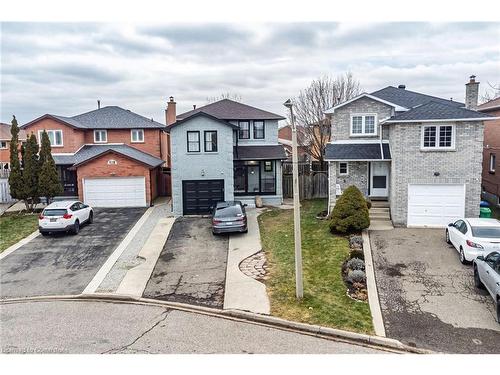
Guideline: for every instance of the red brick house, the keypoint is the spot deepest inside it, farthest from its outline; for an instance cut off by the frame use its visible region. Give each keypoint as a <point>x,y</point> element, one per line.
<point>491,152</point>
<point>5,137</point>
<point>109,157</point>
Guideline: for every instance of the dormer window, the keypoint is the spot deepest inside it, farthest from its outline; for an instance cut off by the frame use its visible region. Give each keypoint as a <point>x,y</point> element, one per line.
<point>363,124</point>
<point>137,135</point>
<point>100,136</point>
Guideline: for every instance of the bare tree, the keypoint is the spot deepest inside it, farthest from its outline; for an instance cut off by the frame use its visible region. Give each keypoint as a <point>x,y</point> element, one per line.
<point>310,105</point>
<point>491,93</point>
<point>225,95</point>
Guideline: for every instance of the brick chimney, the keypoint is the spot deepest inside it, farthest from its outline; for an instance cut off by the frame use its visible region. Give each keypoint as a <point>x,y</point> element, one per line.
<point>471,93</point>
<point>170,112</point>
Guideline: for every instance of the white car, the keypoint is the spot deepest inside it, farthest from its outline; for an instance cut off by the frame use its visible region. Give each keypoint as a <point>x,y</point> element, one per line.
<point>474,237</point>
<point>487,276</point>
<point>64,216</point>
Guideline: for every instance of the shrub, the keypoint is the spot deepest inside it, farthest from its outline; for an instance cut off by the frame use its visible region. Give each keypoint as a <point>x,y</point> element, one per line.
<point>355,264</point>
<point>356,242</point>
<point>350,213</point>
<point>356,276</point>
<point>356,253</point>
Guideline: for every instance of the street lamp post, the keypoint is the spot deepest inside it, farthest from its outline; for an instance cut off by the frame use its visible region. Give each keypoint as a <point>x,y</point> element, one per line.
<point>299,290</point>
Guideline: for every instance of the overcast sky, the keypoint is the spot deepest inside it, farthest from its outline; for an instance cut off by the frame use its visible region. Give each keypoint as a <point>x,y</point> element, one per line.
<point>64,68</point>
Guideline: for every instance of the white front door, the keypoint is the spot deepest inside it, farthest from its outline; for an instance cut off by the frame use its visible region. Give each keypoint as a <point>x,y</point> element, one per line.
<point>379,179</point>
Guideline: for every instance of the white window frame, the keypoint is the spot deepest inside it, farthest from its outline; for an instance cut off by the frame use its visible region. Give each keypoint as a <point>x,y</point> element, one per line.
<point>102,131</point>
<point>346,168</point>
<point>363,122</point>
<point>139,131</point>
<point>51,131</point>
<point>438,135</point>
<point>493,159</point>
<point>3,147</point>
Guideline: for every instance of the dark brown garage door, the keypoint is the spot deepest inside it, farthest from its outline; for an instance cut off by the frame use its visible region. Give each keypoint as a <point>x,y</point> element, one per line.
<point>199,195</point>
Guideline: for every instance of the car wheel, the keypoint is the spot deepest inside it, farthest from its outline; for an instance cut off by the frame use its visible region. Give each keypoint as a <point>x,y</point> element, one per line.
<point>477,280</point>
<point>91,217</point>
<point>76,227</point>
<point>462,256</point>
<point>44,233</point>
<point>448,237</point>
<point>498,309</point>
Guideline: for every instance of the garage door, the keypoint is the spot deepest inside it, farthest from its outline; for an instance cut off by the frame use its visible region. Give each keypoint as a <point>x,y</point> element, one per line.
<point>435,205</point>
<point>115,192</point>
<point>199,195</point>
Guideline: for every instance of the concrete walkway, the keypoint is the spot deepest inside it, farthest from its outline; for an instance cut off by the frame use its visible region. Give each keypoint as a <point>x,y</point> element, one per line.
<point>243,292</point>
<point>128,259</point>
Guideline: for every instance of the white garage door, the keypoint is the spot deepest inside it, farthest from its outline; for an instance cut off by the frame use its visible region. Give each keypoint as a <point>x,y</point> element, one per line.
<point>115,192</point>
<point>435,205</point>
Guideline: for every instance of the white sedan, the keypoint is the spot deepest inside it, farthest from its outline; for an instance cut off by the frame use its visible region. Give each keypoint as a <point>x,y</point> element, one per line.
<point>64,216</point>
<point>474,237</point>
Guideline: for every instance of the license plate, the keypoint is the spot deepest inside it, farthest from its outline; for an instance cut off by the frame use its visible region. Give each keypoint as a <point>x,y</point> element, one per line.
<point>53,220</point>
<point>229,223</point>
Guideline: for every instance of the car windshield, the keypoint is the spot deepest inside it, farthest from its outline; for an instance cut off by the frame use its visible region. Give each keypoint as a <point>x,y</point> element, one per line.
<point>54,212</point>
<point>486,232</point>
<point>228,211</point>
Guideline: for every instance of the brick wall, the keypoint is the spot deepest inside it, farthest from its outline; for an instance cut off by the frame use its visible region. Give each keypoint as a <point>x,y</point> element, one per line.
<point>491,182</point>
<point>73,139</point>
<point>410,165</point>
<point>151,143</point>
<point>125,167</point>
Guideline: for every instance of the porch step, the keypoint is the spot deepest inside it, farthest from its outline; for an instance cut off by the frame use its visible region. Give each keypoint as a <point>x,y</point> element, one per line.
<point>380,216</point>
<point>380,204</point>
<point>379,210</point>
<point>384,216</point>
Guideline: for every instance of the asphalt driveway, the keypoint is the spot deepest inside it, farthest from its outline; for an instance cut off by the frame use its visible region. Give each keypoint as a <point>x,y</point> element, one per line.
<point>65,263</point>
<point>428,297</point>
<point>192,265</point>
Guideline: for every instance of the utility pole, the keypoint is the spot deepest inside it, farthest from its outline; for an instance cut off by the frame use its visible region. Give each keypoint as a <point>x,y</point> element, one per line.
<point>299,289</point>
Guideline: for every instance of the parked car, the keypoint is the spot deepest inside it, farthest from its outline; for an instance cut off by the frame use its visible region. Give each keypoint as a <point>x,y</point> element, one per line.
<point>473,237</point>
<point>64,216</point>
<point>229,217</point>
<point>487,275</point>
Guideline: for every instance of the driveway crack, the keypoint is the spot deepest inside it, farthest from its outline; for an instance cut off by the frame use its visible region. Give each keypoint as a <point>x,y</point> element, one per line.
<point>163,316</point>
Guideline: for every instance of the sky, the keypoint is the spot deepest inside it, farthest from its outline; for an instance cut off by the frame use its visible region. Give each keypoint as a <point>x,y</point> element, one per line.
<point>64,68</point>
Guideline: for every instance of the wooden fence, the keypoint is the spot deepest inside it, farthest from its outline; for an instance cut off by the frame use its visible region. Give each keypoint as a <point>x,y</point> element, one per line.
<point>5,191</point>
<point>311,185</point>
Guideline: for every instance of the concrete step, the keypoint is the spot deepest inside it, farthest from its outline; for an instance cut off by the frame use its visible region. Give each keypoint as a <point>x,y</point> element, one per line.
<point>379,210</point>
<point>380,217</point>
<point>380,204</point>
<point>381,225</point>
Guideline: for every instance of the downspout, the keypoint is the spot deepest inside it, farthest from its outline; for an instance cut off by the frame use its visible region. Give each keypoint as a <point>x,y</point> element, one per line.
<point>151,189</point>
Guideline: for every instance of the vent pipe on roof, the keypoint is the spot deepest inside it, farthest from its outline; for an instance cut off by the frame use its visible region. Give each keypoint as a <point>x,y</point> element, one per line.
<point>194,106</point>
<point>402,87</point>
<point>98,104</point>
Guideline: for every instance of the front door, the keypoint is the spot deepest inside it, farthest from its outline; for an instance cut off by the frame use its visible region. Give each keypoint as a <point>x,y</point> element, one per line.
<point>379,179</point>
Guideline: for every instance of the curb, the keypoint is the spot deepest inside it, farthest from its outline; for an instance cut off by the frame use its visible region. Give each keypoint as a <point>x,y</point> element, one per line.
<point>377,342</point>
<point>17,245</point>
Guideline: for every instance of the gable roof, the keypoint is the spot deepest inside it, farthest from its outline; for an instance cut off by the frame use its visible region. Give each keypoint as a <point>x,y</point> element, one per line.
<point>490,105</point>
<point>410,99</point>
<point>89,152</point>
<point>110,117</point>
<point>202,114</point>
<point>5,133</point>
<point>227,109</point>
<point>397,107</point>
<point>437,111</point>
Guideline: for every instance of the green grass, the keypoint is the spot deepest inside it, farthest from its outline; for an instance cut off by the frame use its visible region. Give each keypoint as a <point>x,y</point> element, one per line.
<point>325,301</point>
<point>14,227</point>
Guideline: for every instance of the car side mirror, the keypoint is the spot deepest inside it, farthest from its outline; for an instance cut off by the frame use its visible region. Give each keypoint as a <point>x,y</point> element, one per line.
<point>245,205</point>
<point>451,225</point>
<point>480,257</point>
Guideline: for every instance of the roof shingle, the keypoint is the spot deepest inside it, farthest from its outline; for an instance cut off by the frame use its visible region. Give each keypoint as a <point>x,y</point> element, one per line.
<point>357,151</point>
<point>410,99</point>
<point>434,110</point>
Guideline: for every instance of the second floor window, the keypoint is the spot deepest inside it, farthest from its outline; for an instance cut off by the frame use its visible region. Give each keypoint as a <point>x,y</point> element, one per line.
<point>493,161</point>
<point>244,132</point>
<point>55,137</point>
<point>363,125</point>
<point>3,144</point>
<point>137,135</point>
<point>100,136</point>
<point>210,141</point>
<point>193,141</point>
<point>258,130</point>
<point>438,137</point>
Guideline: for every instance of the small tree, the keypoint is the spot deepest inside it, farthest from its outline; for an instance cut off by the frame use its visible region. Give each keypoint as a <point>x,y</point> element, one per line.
<point>49,184</point>
<point>15,177</point>
<point>350,213</point>
<point>30,173</point>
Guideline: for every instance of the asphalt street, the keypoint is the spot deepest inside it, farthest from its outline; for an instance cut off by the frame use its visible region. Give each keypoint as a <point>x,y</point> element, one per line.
<point>109,327</point>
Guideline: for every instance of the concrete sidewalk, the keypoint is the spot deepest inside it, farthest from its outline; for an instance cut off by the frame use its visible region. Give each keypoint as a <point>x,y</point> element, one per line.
<point>243,292</point>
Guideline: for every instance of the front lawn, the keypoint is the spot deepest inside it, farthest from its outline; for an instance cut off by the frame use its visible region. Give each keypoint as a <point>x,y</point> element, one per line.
<point>325,301</point>
<point>14,227</point>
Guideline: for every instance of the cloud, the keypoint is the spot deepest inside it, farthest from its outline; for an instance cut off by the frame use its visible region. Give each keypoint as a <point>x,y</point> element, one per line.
<point>63,68</point>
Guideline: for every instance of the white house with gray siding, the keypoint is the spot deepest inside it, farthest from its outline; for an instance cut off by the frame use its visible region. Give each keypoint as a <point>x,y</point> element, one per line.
<point>420,153</point>
<point>224,151</point>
